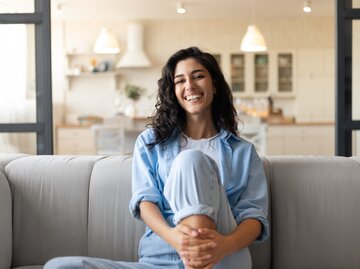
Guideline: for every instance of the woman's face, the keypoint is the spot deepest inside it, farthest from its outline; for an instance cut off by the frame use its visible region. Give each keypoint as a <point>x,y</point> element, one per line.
<point>194,87</point>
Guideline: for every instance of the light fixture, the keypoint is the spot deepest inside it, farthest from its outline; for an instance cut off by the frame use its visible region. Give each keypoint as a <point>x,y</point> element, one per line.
<point>253,40</point>
<point>180,8</point>
<point>307,6</point>
<point>106,42</point>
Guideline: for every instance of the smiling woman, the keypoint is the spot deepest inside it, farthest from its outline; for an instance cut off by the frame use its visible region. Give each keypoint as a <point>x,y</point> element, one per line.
<point>200,188</point>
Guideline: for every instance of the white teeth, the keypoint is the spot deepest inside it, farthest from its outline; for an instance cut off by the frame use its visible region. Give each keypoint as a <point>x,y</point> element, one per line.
<point>192,97</point>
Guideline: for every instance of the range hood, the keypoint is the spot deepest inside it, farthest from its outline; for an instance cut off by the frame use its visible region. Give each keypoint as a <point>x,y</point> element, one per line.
<point>134,55</point>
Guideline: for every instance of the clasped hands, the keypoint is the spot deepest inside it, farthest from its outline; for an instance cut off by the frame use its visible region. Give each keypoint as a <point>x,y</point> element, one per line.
<point>199,248</point>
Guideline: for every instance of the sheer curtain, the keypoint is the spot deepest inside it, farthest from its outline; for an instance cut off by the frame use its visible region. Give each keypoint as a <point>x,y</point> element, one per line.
<point>13,82</point>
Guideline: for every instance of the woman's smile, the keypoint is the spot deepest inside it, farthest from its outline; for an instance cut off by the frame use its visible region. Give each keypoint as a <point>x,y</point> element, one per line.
<point>193,97</point>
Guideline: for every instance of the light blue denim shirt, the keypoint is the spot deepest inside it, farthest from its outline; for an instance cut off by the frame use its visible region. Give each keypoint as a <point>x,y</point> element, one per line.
<point>241,174</point>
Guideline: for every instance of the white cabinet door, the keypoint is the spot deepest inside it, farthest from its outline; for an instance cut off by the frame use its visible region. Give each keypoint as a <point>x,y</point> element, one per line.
<point>315,85</point>
<point>300,140</point>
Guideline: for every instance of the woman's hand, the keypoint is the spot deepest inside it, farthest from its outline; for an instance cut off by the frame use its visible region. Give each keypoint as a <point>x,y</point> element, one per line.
<point>214,255</point>
<point>193,247</point>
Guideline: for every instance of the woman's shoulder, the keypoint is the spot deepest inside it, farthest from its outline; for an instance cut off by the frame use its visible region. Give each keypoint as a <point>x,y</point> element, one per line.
<point>147,136</point>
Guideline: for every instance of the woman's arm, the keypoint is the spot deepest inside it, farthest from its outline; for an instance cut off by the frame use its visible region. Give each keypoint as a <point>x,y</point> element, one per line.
<point>245,234</point>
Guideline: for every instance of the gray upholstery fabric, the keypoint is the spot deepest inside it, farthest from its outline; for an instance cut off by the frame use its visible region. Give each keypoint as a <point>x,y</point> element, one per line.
<point>50,207</point>
<point>315,217</point>
<point>30,267</point>
<point>113,233</point>
<point>65,205</point>
<point>356,158</point>
<point>5,223</point>
<point>261,253</point>
<point>7,158</point>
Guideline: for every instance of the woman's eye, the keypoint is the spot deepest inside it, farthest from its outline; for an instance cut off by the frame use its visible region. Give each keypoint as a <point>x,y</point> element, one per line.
<point>199,77</point>
<point>179,81</point>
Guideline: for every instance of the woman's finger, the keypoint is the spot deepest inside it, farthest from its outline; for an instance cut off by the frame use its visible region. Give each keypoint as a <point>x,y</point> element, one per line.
<point>187,230</point>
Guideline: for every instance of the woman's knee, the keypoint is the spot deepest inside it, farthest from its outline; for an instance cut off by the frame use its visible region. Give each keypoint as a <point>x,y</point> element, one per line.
<point>199,221</point>
<point>190,157</point>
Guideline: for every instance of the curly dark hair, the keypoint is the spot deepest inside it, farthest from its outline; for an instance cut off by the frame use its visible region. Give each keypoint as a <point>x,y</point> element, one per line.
<point>170,116</point>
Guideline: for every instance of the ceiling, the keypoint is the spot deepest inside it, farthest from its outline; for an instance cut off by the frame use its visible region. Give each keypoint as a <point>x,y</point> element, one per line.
<point>196,9</point>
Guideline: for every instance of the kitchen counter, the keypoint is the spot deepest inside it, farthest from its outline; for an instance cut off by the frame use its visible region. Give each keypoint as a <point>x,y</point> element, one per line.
<point>312,123</point>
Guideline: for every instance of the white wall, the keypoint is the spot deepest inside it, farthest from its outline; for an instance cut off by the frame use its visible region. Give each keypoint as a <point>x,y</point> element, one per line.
<point>163,38</point>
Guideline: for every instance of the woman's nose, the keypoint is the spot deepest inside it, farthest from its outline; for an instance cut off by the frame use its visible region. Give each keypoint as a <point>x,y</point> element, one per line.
<point>189,85</point>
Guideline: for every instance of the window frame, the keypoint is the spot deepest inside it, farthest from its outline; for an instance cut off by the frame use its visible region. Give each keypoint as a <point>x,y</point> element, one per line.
<point>43,127</point>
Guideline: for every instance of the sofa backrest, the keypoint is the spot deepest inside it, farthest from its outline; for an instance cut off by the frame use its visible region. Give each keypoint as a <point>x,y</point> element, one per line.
<point>5,222</point>
<point>315,212</point>
<point>50,207</point>
<point>112,232</point>
<point>67,205</point>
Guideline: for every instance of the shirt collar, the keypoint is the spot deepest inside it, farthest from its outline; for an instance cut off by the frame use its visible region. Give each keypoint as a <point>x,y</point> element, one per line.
<point>224,135</point>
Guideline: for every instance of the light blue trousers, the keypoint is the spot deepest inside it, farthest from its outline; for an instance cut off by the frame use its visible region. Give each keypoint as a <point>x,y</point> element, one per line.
<point>192,188</point>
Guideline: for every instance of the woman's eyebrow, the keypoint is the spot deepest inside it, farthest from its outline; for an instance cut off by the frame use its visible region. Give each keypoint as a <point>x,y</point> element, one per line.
<point>180,75</point>
<point>192,72</point>
<point>197,70</point>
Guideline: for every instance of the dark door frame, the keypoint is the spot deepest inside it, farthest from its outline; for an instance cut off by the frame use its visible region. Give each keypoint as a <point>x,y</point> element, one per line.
<point>344,123</point>
<point>43,127</point>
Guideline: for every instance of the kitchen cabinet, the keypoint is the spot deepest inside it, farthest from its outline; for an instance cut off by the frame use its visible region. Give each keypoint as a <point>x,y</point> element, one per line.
<point>238,73</point>
<point>263,74</point>
<point>315,99</point>
<point>300,139</point>
<point>75,140</point>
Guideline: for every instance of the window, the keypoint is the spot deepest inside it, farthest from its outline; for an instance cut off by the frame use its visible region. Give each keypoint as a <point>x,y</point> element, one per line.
<point>25,84</point>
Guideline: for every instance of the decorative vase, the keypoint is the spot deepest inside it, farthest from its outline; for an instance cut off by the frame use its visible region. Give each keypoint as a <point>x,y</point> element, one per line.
<point>130,110</point>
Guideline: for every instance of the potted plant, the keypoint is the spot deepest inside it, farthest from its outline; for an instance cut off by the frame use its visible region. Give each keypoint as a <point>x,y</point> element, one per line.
<point>134,93</point>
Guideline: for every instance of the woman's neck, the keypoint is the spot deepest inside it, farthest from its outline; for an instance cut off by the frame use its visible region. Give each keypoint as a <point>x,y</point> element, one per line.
<point>197,129</point>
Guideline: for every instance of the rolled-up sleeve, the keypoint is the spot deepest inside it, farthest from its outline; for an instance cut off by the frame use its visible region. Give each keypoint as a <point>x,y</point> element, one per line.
<point>144,184</point>
<point>253,201</point>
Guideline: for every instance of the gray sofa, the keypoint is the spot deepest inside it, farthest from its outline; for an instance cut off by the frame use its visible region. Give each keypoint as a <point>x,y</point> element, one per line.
<point>78,205</point>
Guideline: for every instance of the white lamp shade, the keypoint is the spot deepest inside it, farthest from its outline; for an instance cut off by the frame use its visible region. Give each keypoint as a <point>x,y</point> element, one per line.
<point>106,42</point>
<point>253,40</point>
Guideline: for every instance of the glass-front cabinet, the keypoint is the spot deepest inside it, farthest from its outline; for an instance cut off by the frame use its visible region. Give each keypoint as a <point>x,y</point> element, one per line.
<point>262,74</point>
<point>285,73</point>
<point>238,73</point>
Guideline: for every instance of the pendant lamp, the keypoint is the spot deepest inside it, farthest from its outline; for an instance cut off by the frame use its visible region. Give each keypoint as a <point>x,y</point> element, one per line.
<point>106,42</point>
<point>253,40</point>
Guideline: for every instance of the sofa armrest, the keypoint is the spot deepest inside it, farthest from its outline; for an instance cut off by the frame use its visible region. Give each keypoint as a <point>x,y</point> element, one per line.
<point>5,223</point>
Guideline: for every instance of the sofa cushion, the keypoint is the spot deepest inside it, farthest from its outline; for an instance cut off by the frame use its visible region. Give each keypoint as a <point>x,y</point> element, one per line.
<point>113,233</point>
<point>316,220</point>
<point>29,267</point>
<point>50,206</point>
<point>261,252</point>
<point>7,158</point>
<point>5,222</point>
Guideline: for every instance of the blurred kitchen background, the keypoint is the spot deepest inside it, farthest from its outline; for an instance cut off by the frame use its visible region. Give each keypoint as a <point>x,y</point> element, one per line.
<point>285,96</point>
